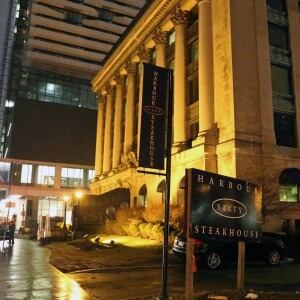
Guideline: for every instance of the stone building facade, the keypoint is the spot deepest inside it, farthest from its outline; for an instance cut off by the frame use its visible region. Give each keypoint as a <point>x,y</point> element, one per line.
<point>236,93</point>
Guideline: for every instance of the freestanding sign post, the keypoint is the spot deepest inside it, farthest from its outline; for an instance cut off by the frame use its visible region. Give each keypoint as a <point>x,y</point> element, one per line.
<point>222,208</point>
<point>157,85</point>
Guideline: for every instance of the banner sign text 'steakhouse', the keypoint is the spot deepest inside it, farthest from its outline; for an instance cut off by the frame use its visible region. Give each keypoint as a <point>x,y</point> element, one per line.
<point>152,139</point>
<point>224,208</point>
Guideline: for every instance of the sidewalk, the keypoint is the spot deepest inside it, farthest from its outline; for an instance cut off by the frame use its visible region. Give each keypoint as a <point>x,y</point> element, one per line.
<point>26,274</point>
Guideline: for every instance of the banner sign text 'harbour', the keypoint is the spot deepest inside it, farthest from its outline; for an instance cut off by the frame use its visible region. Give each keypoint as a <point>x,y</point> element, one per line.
<point>152,139</point>
<point>224,208</point>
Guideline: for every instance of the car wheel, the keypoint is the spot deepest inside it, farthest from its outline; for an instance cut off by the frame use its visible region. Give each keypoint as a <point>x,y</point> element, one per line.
<point>273,257</point>
<point>213,260</point>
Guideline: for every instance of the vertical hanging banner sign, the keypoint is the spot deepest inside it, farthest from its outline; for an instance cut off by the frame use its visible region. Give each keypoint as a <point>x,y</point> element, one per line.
<point>153,118</point>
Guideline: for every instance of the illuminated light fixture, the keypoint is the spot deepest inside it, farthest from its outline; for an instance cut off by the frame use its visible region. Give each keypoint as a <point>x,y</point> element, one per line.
<point>78,194</point>
<point>50,87</point>
<point>97,239</point>
<point>86,237</point>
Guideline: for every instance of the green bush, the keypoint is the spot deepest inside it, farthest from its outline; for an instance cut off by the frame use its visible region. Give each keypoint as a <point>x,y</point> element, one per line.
<point>143,230</point>
<point>154,213</point>
<point>148,229</point>
<point>157,232</point>
<point>146,222</point>
<point>133,227</point>
<point>176,217</point>
<point>112,227</point>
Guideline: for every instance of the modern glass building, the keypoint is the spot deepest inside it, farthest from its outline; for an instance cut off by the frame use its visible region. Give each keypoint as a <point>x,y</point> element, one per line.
<point>51,51</point>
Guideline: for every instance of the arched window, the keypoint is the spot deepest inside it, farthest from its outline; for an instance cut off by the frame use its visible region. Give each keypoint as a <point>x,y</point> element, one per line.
<point>289,182</point>
<point>142,197</point>
<point>161,188</point>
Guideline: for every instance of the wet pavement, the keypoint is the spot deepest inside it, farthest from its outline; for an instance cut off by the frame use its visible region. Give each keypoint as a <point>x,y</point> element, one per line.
<point>26,274</point>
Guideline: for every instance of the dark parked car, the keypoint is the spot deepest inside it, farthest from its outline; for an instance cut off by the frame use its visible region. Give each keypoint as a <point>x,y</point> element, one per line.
<point>2,231</point>
<point>271,249</point>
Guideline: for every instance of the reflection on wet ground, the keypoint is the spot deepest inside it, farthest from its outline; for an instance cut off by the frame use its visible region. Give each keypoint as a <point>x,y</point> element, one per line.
<point>25,274</point>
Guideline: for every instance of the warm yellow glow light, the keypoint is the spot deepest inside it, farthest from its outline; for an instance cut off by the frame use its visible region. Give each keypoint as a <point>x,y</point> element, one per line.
<point>66,198</point>
<point>78,194</point>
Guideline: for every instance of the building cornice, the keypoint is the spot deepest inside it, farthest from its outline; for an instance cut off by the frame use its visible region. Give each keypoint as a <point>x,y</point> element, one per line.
<point>158,14</point>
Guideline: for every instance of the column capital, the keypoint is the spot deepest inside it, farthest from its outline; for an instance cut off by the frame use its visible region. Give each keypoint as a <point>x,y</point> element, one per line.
<point>143,53</point>
<point>179,16</point>
<point>109,88</point>
<point>119,79</point>
<point>130,67</point>
<point>160,37</point>
<point>101,98</point>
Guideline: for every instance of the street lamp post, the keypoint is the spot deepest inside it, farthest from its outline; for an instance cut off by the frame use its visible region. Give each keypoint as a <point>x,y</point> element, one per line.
<point>78,196</point>
<point>66,198</point>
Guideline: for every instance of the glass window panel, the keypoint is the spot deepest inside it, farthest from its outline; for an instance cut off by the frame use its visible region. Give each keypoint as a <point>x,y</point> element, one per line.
<point>278,36</point>
<point>194,51</point>
<point>281,79</point>
<point>4,172</point>
<point>45,204</point>
<point>285,130</point>
<point>171,39</point>
<point>91,174</point>
<point>277,4</point>
<point>53,209</point>
<point>46,175</point>
<point>193,90</point>
<point>26,174</point>
<point>288,193</point>
<point>71,177</point>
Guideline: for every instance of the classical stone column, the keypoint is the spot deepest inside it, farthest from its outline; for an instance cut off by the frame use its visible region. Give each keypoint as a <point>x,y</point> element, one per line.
<point>144,56</point>
<point>179,19</point>
<point>99,139</point>
<point>207,136</point>
<point>107,130</point>
<point>129,111</point>
<point>160,40</point>
<point>117,148</point>
<point>205,66</point>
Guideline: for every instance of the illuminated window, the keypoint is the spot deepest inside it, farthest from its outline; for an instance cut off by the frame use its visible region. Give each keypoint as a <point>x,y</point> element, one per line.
<point>72,177</point>
<point>26,174</point>
<point>288,193</point>
<point>289,182</point>
<point>50,87</point>
<point>91,175</point>
<point>51,207</point>
<point>153,56</point>
<point>46,175</point>
<point>171,38</point>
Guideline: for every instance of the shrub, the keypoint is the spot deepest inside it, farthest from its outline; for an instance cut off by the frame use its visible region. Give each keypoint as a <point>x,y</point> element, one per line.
<point>157,232</point>
<point>154,213</point>
<point>114,228</point>
<point>133,227</point>
<point>143,230</point>
<point>148,229</point>
<point>176,217</point>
